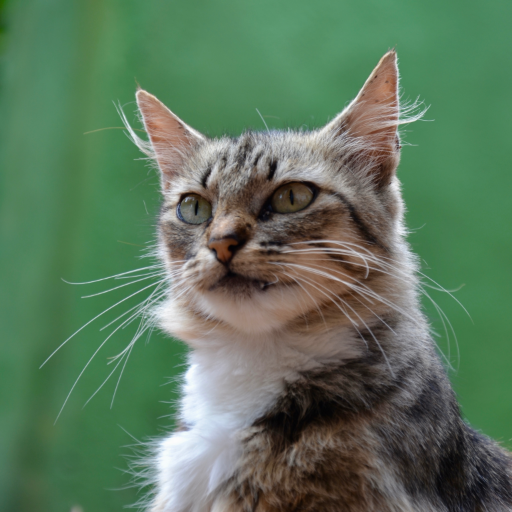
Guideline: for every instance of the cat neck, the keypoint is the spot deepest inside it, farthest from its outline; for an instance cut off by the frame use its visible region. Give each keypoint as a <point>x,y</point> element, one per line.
<point>234,377</point>
<point>233,380</point>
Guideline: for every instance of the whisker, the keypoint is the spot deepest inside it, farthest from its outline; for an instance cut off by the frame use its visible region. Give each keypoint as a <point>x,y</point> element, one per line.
<point>373,313</point>
<point>83,370</point>
<point>342,252</point>
<point>121,373</point>
<point>360,288</point>
<point>313,284</point>
<point>121,286</point>
<point>92,320</point>
<point>104,382</point>
<point>114,276</point>
<point>445,320</point>
<point>386,266</point>
<point>367,328</point>
<point>310,296</point>
<point>334,242</point>
<point>120,316</point>
<point>163,272</point>
<point>356,313</point>
<point>92,357</point>
<point>144,307</point>
<point>446,291</point>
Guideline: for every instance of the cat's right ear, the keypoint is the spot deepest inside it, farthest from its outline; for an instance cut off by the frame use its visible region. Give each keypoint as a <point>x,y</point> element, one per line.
<point>170,137</point>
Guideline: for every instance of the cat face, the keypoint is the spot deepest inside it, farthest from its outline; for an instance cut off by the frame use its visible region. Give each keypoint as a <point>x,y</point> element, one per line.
<point>269,227</point>
<point>250,254</point>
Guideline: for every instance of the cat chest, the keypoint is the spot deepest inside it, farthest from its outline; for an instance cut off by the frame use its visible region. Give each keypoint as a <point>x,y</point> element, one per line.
<point>324,469</point>
<point>211,468</point>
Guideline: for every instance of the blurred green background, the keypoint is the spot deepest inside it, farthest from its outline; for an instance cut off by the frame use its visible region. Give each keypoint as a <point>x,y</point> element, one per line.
<point>82,207</point>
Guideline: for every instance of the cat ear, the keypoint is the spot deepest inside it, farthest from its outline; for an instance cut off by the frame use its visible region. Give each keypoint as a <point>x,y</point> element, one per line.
<point>170,137</point>
<point>371,122</point>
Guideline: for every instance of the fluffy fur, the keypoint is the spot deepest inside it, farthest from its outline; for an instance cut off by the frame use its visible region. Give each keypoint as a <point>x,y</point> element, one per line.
<point>313,383</point>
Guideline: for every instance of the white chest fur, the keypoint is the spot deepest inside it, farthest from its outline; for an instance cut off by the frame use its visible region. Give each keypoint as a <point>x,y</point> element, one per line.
<point>227,387</point>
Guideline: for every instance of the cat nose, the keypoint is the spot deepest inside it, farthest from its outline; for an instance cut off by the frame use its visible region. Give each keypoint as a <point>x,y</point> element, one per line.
<point>223,248</point>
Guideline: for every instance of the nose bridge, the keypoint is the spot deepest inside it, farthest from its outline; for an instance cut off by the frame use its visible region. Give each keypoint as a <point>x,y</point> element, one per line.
<point>229,232</point>
<point>229,224</point>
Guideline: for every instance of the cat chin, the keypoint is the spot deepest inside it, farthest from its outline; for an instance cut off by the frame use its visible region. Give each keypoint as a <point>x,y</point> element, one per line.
<point>261,312</point>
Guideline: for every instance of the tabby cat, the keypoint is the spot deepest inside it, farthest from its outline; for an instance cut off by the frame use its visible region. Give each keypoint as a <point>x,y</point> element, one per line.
<point>313,383</point>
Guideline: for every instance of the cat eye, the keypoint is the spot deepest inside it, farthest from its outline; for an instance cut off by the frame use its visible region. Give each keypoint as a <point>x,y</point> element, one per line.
<point>291,198</point>
<point>194,209</point>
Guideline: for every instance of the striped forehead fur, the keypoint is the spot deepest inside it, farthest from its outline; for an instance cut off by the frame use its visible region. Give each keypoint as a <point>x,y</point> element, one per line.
<point>340,147</point>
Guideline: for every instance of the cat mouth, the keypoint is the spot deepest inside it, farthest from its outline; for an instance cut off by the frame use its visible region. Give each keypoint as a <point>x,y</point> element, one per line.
<point>233,282</point>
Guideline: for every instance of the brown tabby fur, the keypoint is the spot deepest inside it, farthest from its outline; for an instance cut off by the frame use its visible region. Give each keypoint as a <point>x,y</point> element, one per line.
<point>353,439</point>
<point>375,428</point>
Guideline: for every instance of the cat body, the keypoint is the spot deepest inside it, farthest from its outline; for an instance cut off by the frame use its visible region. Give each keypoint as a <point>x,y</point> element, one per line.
<point>313,383</point>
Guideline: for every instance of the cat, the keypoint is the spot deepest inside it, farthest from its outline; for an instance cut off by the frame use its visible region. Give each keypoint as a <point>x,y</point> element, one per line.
<point>313,383</point>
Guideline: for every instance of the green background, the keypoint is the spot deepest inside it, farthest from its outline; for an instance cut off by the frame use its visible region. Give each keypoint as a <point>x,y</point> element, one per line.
<point>82,207</point>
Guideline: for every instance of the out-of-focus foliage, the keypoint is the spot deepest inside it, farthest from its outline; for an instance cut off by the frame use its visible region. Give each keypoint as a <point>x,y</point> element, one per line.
<point>82,207</point>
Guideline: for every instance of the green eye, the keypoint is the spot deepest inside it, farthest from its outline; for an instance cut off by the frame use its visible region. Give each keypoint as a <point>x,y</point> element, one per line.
<point>194,209</point>
<point>291,198</point>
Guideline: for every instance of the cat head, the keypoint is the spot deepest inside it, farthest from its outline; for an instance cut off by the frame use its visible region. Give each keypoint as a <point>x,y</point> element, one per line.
<point>272,229</point>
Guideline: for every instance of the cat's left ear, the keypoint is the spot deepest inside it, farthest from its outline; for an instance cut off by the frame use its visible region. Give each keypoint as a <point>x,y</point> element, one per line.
<point>170,137</point>
<point>370,123</point>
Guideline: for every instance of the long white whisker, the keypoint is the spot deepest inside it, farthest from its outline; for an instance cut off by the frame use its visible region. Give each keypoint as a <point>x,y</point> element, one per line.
<point>144,309</point>
<point>333,242</point>
<point>329,250</point>
<point>141,311</point>
<point>92,320</point>
<point>120,286</point>
<point>445,320</point>
<point>360,288</point>
<point>373,312</point>
<point>116,275</point>
<point>121,316</point>
<point>131,309</point>
<point>92,357</point>
<point>372,262</point>
<point>342,252</point>
<point>84,368</point>
<point>349,246</point>
<point>386,262</point>
<point>358,316</point>
<point>446,291</point>
<point>103,383</point>
<point>163,272</point>
<point>314,285</point>
<point>122,371</point>
<point>366,326</point>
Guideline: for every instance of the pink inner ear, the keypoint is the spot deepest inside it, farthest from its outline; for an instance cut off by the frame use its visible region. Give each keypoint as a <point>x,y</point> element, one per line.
<point>372,118</point>
<point>375,109</point>
<point>162,125</point>
<point>170,136</point>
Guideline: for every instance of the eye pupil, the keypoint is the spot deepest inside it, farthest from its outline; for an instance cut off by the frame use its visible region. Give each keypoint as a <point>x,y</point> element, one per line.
<point>194,209</point>
<point>292,197</point>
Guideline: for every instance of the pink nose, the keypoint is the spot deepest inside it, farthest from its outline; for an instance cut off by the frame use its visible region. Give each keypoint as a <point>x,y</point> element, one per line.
<point>222,248</point>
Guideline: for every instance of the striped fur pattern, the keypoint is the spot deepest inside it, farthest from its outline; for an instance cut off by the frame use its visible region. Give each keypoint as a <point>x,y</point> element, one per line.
<point>313,382</point>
